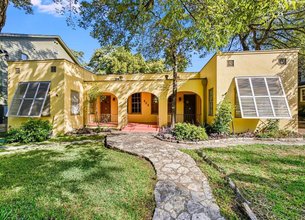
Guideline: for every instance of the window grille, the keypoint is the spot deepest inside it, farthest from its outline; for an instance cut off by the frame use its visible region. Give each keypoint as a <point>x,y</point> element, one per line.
<point>29,99</point>
<point>136,103</point>
<point>262,97</point>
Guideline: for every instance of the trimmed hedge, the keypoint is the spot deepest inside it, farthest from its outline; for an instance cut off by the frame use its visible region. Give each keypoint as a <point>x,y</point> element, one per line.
<point>187,131</point>
<point>31,131</point>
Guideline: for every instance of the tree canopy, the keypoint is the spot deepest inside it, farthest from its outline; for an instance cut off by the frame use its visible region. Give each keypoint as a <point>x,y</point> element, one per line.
<point>111,59</point>
<point>25,5</point>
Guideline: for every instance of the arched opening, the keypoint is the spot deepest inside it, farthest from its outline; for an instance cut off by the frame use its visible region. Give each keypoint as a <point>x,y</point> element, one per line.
<point>142,110</point>
<point>103,111</point>
<point>188,108</point>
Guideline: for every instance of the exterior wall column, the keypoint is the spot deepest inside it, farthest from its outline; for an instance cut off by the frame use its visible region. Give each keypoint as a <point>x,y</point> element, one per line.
<point>162,110</point>
<point>122,112</point>
<point>204,105</point>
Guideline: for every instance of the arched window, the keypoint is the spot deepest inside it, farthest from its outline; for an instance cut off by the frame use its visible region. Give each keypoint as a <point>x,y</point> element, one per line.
<point>24,56</point>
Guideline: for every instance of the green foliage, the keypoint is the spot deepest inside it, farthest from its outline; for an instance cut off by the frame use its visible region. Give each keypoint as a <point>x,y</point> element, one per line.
<point>30,131</point>
<point>223,118</point>
<point>119,60</point>
<point>272,130</point>
<point>187,131</point>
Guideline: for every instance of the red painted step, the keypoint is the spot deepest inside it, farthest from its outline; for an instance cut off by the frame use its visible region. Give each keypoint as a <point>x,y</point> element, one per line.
<point>139,127</point>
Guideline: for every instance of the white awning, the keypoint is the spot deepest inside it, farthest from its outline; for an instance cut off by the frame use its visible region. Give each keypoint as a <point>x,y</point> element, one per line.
<point>29,99</point>
<point>262,97</point>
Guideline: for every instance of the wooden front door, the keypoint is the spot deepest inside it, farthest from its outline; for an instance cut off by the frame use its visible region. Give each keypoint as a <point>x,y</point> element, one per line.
<point>106,108</point>
<point>189,108</point>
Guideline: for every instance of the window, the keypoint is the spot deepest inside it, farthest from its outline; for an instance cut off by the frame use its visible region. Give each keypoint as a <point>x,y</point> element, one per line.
<point>17,70</point>
<point>154,104</point>
<point>262,97</point>
<point>302,95</point>
<point>230,63</point>
<point>29,99</point>
<point>24,56</point>
<point>136,103</point>
<point>282,61</point>
<point>75,108</point>
<point>46,111</point>
<point>169,105</point>
<point>53,69</point>
<point>211,106</point>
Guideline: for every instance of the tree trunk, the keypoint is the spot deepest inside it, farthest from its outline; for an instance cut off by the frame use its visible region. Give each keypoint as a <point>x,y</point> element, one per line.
<point>243,42</point>
<point>174,95</point>
<point>3,8</point>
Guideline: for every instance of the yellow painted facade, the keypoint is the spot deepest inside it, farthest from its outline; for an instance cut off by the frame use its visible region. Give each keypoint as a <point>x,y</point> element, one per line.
<point>192,88</point>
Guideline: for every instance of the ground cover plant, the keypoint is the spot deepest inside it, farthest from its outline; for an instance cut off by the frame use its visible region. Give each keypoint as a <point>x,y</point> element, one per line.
<point>272,177</point>
<point>78,179</point>
<point>31,131</point>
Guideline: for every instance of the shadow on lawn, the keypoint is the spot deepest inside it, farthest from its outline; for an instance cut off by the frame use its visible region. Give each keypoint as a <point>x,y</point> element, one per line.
<point>36,175</point>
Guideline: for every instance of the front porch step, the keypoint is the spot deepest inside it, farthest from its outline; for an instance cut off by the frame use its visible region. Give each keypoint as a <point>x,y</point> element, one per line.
<point>141,127</point>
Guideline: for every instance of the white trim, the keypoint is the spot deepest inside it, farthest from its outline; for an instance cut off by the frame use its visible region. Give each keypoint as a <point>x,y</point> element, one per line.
<point>265,96</point>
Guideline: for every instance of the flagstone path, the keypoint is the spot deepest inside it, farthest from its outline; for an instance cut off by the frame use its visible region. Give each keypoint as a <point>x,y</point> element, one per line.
<point>182,191</point>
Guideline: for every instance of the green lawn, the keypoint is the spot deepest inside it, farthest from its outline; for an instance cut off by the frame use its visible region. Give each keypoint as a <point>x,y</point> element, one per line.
<point>272,177</point>
<point>79,181</point>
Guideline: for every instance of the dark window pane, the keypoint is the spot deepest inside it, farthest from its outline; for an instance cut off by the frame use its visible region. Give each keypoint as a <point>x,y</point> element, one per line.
<point>43,89</point>
<point>15,106</point>
<point>21,90</point>
<point>32,90</point>
<point>36,109</point>
<point>25,107</point>
<point>46,111</point>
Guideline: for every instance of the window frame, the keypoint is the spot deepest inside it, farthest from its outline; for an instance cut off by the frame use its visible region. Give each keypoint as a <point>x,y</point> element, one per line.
<point>71,102</point>
<point>33,99</point>
<point>269,96</point>
<point>301,96</point>
<point>211,102</point>
<point>138,104</point>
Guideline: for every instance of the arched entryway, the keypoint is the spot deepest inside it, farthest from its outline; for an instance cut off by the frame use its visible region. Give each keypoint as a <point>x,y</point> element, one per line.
<point>142,112</point>
<point>188,108</point>
<point>103,111</point>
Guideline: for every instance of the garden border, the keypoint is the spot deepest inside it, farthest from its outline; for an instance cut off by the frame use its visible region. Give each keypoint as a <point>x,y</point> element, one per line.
<point>243,202</point>
<point>225,140</point>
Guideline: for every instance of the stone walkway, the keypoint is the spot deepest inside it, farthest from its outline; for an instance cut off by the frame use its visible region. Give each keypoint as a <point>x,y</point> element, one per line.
<point>182,191</point>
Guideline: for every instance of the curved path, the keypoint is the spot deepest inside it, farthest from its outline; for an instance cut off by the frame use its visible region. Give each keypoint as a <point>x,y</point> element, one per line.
<point>182,191</point>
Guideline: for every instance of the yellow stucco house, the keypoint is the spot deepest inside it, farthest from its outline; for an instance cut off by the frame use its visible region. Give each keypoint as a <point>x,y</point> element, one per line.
<point>260,84</point>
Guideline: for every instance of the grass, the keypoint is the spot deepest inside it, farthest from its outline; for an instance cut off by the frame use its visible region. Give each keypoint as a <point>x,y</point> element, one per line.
<point>272,177</point>
<point>72,138</point>
<point>84,181</point>
<point>224,196</point>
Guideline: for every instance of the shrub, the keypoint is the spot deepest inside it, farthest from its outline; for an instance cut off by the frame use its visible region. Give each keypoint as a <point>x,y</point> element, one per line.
<point>30,131</point>
<point>223,119</point>
<point>269,130</point>
<point>187,131</point>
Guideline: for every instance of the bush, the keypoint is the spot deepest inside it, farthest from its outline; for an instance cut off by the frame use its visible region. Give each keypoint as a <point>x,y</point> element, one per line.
<point>30,131</point>
<point>186,131</point>
<point>223,119</point>
<point>272,130</point>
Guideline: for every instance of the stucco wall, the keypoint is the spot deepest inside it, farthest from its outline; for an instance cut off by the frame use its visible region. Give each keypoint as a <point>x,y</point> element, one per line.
<point>264,63</point>
<point>40,71</point>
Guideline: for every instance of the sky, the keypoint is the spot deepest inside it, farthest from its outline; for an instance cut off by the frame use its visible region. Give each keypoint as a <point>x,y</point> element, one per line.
<point>45,20</point>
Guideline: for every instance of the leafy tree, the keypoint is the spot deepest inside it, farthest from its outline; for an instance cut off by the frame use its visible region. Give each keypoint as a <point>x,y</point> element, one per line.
<point>110,60</point>
<point>171,29</point>
<point>25,5</point>
<point>269,24</point>
<point>79,55</point>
